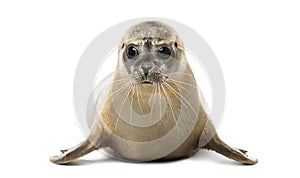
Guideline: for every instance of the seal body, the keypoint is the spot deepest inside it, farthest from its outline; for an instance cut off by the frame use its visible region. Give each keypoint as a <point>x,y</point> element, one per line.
<point>152,110</point>
<point>144,142</point>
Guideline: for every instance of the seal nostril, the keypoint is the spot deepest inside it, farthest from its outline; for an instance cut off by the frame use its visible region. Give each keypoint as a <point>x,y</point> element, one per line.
<point>146,75</point>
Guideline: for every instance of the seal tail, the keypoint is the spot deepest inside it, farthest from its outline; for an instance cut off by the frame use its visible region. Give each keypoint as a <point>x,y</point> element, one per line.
<point>239,155</point>
<point>71,154</point>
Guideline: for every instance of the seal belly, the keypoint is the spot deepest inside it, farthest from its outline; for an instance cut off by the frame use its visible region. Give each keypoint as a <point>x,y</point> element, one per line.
<point>165,138</point>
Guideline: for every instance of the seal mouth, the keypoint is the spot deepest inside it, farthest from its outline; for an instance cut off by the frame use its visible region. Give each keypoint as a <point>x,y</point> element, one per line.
<point>147,82</point>
<point>151,78</point>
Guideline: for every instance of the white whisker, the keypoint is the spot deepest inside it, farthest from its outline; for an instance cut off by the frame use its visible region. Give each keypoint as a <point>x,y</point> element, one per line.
<point>139,102</point>
<point>176,81</point>
<point>120,111</point>
<point>178,94</point>
<point>171,106</point>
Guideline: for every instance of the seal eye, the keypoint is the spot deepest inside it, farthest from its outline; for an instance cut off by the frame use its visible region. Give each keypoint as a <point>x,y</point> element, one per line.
<point>164,52</point>
<point>132,52</point>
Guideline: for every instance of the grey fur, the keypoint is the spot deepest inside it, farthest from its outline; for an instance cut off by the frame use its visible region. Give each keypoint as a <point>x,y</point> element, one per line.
<point>151,29</point>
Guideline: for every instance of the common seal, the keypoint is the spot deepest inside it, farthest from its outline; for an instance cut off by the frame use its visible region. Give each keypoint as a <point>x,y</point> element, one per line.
<point>152,110</point>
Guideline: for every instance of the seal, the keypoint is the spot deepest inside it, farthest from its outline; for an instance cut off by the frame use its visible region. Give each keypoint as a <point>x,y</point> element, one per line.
<point>153,110</point>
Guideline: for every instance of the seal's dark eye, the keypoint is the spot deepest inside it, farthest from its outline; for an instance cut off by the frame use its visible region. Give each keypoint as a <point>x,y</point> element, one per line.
<point>164,52</point>
<point>132,52</point>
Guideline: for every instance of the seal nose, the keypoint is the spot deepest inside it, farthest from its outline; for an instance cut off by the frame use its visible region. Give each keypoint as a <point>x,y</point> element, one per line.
<point>146,69</point>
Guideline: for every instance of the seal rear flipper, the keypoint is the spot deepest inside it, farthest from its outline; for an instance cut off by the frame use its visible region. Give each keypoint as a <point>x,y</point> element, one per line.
<point>71,154</point>
<point>239,155</point>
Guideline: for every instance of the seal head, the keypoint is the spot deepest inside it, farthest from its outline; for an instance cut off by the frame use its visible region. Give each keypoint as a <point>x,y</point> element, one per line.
<point>150,51</point>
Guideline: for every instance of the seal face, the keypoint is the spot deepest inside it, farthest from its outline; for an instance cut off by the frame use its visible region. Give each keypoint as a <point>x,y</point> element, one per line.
<point>149,59</point>
<point>153,109</point>
<point>148,52</point>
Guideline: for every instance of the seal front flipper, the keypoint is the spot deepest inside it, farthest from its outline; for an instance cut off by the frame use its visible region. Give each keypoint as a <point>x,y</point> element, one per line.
<point>239,155</point>
<point>219,146</point>
<point>94,142</point>
<point>71,154</point>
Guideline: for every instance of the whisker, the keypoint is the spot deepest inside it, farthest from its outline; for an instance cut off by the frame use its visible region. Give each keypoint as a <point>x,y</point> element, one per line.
<point>109,93</point>
<point>152,104</point>
<point>159,101</point>
<point>121,84</point>
<point>119,113</point>
<point>119,90</point>
<point>124,79</point>
<point>177,81</point>
<point>131,107</point>
<point>139,102</point>
<point>171,106</point>
<point>180,74</point>
<point>178,94</point>
<point>181,86</point>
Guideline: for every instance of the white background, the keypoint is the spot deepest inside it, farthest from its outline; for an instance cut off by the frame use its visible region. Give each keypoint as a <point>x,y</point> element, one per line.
<point>257,44</point>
